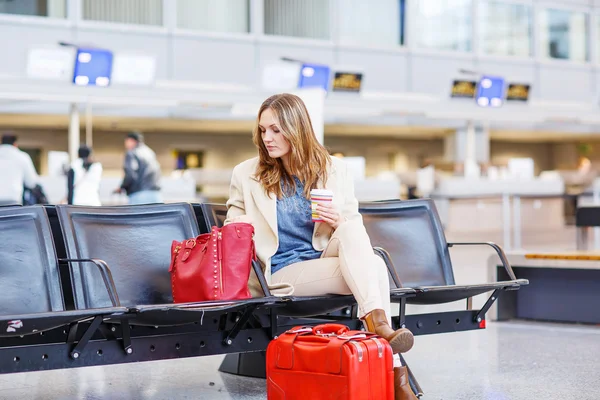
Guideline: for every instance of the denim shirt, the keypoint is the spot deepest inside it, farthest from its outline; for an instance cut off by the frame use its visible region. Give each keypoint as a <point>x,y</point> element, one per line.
<point>295,230</point>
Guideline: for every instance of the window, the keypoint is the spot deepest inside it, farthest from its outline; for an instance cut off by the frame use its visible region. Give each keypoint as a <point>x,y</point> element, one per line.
<point>378,22</point>
<point>505,29</point>
<point>138,12</point>
<point>300,18</point>
<point>214,15</point>
<point>42,8</point>
<point>563,35</point>
<point>442,24</point>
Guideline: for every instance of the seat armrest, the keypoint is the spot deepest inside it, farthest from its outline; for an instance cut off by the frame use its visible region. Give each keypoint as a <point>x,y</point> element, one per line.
<point>499,251</point>
<point>104,269</point>
<point>387,258</point>
<point>261,278</point>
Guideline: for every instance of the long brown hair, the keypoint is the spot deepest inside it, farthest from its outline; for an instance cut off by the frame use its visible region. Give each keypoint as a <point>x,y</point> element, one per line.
<point>308,159</point>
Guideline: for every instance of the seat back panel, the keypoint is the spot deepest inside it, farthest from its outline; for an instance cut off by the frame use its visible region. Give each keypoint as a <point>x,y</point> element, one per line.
<point>209,215</point>
<point>135,241</point>
<point>28,264</point>
<point>413,235</point>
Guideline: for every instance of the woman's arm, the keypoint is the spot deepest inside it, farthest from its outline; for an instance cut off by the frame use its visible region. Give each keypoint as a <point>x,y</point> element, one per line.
<point>334,215</point>
<point>350,207</point>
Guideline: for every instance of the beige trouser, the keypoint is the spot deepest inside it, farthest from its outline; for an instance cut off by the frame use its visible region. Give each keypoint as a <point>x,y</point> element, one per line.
<point>347,266</point>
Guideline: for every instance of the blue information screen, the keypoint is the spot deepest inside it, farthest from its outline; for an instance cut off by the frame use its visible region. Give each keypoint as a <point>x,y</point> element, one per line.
<point>314,75</point>
<point>490,91</point>
<point>93,67</point>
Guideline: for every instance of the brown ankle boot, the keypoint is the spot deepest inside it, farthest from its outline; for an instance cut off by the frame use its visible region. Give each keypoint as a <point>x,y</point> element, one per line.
<point>402,390</point>
<point>401,340</point>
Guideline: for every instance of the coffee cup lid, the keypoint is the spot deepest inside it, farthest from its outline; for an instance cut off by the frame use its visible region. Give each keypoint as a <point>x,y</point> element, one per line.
<point>321,192</point>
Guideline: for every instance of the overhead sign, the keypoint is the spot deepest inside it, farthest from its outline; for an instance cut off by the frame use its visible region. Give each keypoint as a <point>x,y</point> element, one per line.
<point>280,76</point>
<point>133,69</point>
<point>490,91</point>
<point>347,82</point>
<point>93,67</point>
<point>314,75</point>
<point>518,92</point>
<point>50,63</point>
<point>463,88</point>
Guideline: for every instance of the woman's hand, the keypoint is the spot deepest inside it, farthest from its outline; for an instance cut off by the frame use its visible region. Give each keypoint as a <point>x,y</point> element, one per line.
<point>330,214</point>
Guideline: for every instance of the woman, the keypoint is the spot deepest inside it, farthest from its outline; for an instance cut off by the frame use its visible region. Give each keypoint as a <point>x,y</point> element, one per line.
<point>272,191</point>
<point>83,180</point>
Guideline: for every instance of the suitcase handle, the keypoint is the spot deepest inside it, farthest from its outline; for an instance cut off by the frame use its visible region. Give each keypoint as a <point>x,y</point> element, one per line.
<point>313,339</point>
<point>327,329</point>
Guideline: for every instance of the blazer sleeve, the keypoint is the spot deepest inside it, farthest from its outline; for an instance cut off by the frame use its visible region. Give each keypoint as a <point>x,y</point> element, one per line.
<point>235,204</point>
<point>350,207</point>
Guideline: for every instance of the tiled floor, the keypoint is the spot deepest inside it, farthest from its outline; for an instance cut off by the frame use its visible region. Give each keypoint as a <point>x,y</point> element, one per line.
<point>516,360</point>
<point>506,361</point>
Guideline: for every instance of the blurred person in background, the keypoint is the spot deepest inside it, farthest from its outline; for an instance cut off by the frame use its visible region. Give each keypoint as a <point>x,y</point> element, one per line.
<point>16,172</point>
<point>83,180</point>
<point>142,172</point>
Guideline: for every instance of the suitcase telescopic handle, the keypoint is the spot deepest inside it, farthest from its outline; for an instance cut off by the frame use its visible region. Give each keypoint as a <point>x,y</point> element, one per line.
<point>327,329</point>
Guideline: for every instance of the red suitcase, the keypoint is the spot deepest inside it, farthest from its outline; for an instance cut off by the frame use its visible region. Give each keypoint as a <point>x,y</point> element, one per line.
<point>329,362</point>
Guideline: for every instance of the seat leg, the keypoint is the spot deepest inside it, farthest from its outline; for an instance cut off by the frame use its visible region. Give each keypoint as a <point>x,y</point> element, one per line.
<point>239,325</point>
<point>78,349</point>
<point>488,304</point>
<point>126,330</point>
<point>253,365</point>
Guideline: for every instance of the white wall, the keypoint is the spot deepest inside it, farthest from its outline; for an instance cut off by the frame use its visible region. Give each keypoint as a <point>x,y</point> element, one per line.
<point>239,58</point>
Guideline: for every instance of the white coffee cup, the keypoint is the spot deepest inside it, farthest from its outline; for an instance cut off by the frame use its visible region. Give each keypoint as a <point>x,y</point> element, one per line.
<point>319,196</point>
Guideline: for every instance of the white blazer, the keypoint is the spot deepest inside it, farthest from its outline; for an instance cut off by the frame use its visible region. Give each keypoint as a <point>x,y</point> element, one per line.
<point>248,197</point>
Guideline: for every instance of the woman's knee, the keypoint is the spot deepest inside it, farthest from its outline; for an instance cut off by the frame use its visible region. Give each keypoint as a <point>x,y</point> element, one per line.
<point>352,233</point>
<point>351,226</point>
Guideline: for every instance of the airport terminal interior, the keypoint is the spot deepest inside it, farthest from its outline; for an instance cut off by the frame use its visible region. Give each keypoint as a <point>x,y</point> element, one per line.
<point>485,113</point>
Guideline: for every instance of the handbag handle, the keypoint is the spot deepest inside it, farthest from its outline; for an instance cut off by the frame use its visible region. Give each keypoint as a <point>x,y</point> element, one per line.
<point>325,329</point>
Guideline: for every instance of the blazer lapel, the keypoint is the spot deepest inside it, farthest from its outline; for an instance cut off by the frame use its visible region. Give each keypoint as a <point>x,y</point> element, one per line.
<point>267,205</point>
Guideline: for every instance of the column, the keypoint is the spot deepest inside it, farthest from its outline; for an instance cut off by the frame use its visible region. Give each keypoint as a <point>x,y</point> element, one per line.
<point>73,131</point>
<point>469,145</point>
<point>314,99</point>
<point>482,144</point>
<point>89,140</point>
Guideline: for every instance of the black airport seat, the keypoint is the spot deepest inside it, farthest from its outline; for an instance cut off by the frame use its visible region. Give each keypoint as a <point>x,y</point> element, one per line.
<point>297,310</point>
<point>209,215</point>
<point>135,241</point>
<point>295,306</point>
<point>31,299</point>
<point>410,237</point>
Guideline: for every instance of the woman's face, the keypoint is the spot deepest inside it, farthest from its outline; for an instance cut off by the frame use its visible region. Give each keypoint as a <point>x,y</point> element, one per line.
<point>277,145</point>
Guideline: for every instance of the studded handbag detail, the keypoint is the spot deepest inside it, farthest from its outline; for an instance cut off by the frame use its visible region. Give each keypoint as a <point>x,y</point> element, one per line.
<point>213,266</point>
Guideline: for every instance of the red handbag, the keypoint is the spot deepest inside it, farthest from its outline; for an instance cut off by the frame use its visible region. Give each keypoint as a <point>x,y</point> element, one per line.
<point>329,362</point>
<point>213,266</point>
